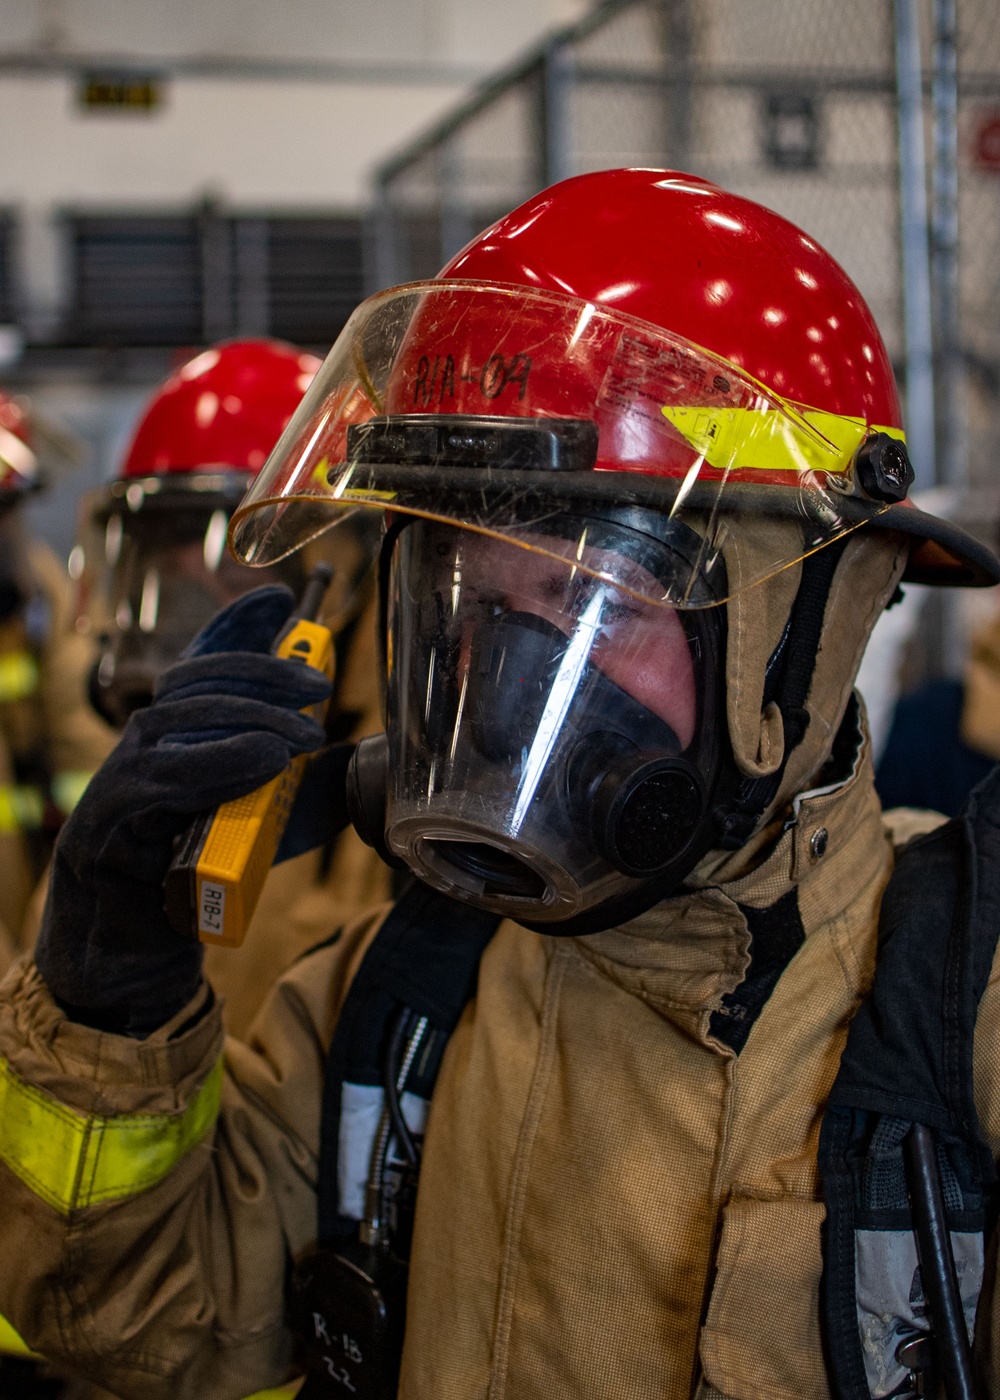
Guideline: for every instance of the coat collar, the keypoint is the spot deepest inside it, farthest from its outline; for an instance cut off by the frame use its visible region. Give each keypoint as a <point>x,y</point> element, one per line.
<point>687,952</point>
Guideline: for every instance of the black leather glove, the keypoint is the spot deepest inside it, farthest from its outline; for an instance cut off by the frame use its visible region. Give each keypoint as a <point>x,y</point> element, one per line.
<point>225,720</point>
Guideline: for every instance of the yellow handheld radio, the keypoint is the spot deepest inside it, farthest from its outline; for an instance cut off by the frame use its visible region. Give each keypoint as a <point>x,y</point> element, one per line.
<point>218,872</point>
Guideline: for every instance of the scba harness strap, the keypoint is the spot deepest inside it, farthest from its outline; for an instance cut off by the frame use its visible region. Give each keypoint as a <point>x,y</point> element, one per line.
<point>905,1088</point>
<point>347,1300</point>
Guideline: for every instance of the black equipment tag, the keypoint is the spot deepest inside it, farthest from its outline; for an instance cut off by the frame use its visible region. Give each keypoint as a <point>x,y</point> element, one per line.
<point>347,1308</point>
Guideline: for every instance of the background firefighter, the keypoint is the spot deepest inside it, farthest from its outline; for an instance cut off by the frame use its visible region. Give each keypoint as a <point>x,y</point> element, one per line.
<point>152,568</point>
<point>50,741</point>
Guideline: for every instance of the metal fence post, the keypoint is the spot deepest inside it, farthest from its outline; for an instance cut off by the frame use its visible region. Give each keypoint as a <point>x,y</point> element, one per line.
<point>251,249</point>
<point>917,326</point>
<point>677,40</point>
<point>952,437</point>
<point>216,273</point>
<point>456,224</point>
<point>382,243</point>
<point>555,127</point>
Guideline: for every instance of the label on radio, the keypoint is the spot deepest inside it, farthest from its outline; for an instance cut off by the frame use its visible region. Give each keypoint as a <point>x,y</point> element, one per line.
<point>211,907</point>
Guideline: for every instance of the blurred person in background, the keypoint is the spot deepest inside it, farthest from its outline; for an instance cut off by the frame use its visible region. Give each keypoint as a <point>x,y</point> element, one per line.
<point>50,740</point>
<point>151,568</point>
<point>945,735</point>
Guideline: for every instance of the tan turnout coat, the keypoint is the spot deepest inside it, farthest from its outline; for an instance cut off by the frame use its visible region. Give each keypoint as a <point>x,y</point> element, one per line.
<point>612,1204</point>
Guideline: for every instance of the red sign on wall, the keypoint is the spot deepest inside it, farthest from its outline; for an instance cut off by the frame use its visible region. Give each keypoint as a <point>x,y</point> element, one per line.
<point>986,144</point>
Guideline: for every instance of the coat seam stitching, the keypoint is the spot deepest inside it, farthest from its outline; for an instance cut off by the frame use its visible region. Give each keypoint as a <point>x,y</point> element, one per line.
<point>519,1178</point>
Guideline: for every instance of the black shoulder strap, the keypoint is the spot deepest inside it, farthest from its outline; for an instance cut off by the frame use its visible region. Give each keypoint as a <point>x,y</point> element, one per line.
<point>425,957</point>
<point>908,1060</point>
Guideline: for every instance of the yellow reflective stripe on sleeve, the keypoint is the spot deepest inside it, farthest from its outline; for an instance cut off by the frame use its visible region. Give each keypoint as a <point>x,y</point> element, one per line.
<point>18,675</point>
<point>73,1161</point>
<point>68,787</point>
<point>285,1392</point>
<point>10,1342</point>
<point>21,808</point>
<point>9,820</point>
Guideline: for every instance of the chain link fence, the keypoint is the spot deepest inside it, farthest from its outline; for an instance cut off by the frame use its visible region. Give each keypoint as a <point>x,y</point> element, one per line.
<point>789,102</point>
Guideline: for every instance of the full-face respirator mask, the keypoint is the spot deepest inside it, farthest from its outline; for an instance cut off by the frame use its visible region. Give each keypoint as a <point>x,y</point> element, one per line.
<point>152,569</point>
<point>554,736</point>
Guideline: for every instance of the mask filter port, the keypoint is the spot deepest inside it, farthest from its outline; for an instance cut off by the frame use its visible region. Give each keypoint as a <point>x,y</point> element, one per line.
<point>644,815</point>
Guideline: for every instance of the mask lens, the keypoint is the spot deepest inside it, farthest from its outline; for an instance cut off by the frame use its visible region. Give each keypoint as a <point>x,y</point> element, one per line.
<point>544,720</point>
<point>163,574</point>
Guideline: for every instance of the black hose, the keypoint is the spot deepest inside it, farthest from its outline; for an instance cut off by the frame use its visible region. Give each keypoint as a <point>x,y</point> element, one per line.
<point>314,592</point>
<point>937,1265</point>
<point>390,1069</point>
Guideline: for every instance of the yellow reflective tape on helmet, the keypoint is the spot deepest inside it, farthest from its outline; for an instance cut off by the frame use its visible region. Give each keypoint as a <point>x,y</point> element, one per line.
<point>771,439</point>
<point>68,787</point>
<point>21,808</point>
<point>319,472</point>
<point>10,1343</point>
<point>18,675</point>
<point>842,431</point>
<point>73,1161</point>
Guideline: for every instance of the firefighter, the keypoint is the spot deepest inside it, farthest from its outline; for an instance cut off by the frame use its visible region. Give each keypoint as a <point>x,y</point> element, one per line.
<point>152,568</point>
<point>641,459</point>
<point>50,742</point>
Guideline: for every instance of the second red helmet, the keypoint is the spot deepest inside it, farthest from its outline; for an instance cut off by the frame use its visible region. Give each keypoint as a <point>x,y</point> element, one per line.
<point>224,409</point>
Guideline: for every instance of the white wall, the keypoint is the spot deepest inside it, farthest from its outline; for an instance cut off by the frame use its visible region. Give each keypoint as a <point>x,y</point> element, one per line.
<point>479,32</point>
<point>268,141</point>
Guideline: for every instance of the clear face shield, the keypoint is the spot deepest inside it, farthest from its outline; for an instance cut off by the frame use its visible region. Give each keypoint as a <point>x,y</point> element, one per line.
<point>498,407</point>
<point>151,568</point>
<point>553,734</point>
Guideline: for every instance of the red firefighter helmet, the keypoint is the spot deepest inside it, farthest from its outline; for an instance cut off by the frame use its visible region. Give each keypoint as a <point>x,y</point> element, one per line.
<point>707,265</point>
<point>152,564</point>
<point>729,366</point>
<point>18,462</point>
<point>223,410</point>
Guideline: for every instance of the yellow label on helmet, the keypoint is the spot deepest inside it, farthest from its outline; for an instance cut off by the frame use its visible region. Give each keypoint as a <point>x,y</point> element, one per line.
<point>769,439</point>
